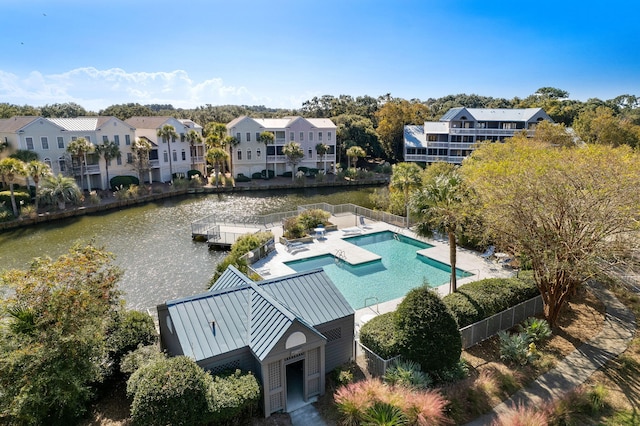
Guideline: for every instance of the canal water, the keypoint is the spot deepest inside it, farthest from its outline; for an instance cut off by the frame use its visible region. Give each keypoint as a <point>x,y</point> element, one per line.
<point>152,243</point>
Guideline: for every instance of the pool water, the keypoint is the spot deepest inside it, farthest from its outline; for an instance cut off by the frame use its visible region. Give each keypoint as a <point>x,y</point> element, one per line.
<point>400,269</point>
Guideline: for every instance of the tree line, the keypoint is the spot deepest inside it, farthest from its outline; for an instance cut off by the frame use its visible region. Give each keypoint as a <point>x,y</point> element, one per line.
<point>376,124</point>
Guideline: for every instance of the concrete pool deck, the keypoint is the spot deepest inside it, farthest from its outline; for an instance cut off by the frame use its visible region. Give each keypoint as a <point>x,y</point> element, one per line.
<point>333,243</point>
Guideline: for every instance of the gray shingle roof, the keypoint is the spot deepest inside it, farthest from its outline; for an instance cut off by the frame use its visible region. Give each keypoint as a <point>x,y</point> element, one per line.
<point>254,315</point>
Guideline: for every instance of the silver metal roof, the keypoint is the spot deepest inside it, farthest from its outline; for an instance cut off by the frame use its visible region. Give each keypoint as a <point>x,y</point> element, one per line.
<point>414,136</point>
<point>494,114</point>
<point>237,312</point>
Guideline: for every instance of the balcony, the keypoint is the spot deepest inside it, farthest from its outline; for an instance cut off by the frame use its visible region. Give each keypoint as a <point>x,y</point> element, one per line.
<point>197,159</point>
<point>154,163</point>
<point>479,132</point>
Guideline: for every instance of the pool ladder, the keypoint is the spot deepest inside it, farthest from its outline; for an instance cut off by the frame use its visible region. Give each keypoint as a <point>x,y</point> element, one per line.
<point>340,256</point>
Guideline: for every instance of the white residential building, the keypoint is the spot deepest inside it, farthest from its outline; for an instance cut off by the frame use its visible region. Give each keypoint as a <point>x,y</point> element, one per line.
<point>454,136</point>
<point>184,157</point>
<point>249,155</point>
<point>50,137</point>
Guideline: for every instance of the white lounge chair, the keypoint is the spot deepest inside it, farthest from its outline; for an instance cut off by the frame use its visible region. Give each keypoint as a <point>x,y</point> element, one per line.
<point>351,231</point>
<point>363,224</point>
<point>295,247</point>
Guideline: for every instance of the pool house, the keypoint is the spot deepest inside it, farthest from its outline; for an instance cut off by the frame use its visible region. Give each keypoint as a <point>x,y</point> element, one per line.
<point>289,331</point>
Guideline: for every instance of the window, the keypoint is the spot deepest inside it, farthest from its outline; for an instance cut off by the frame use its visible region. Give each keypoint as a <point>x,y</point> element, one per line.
<point>130,157</point>
<point>47,161</point>
<point>301,136</point>
<point>175,155</point>
<point>127,139</point>
<point>258,152</point>
<point>60,142</point>
<point>105,138</point>
<point>88,138</point>
<point>63,164</point>
<point>257,136</point>
<point>238,137</point>
<point>116,139</point>
<point>248,154</point>
<point>310,136</point>
<point>271,150</point>
<point>182,137</point>
<point>328,136</point>
<point>239,155</point>
<point>119,159</point>
<point>184,155</point>
<point>248,136</point>
<point>320,136</point>
<point>291,136</point>
<point>165,156</point>
<point>29,142</point>
<point>74,138</point>
<point>45,142</point>
<point>310,153</point>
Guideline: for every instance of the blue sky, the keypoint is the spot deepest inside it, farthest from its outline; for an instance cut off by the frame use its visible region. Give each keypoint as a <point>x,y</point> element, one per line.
<point>280,53</point>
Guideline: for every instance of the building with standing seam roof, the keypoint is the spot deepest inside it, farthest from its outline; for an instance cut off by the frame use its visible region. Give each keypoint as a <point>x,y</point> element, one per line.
<point>289,331</point>
<point>454,136</point>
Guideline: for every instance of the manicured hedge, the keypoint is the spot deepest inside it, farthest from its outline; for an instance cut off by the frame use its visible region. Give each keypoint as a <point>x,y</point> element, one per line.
<point>257,175</point>
<point>379,335</point>
<point>481,299</point>
<point>192,173</point>
<point>286,174</point>
<point>5,197</point>
<point>124,182</point>
<point>242,178</point>
<point>234,398</point>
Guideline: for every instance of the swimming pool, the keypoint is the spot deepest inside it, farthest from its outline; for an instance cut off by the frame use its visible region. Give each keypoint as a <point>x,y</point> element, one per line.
<point>399,270</point>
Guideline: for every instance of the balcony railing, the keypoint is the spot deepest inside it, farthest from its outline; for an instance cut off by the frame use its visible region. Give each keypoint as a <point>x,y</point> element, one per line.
<point>92,169</point>
<point>198,159</point>
<point>154,163</point>
<point>488,132</point>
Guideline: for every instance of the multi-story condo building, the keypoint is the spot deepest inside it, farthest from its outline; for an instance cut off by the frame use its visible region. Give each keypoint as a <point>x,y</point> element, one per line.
<point>49,138</point>
<point>184,156</point>
<point>249,155</point>
<point>454,136</point>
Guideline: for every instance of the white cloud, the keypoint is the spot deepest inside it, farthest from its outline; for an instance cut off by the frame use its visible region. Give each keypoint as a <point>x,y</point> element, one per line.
<point>96,89</point>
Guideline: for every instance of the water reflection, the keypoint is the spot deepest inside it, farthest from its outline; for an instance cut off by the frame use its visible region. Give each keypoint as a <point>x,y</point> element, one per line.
<point>152,243</point>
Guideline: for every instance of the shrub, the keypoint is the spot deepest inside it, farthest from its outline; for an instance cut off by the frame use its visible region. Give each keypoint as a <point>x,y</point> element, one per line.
<point>257,175</point>
<point>117,182</point>
<point>380,336</point>
<point>427,331</point>
<point>516,348</point>
<point>454,373</point>
<point>192,173</point>
<point>293,228</point>
<point>481,299</point>
<point>234,398</point>
<point>5,213</point>
<point>20,196</point>
<point>523,415</point>
<point>383,413</point>
<point>407,374</point>
<point>536,329</point>
<point>286,174</point>
<point>271,174</point>
<point>130,329</point>
<point>94,198</point>
<point>170,391</point>
<point>313,217</point>
<point>244,244</point>
<point>143,355</point>
<point>242,178</point>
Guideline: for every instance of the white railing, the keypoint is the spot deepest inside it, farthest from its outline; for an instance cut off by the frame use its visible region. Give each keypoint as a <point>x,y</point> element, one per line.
<point>154,163</point>
<point>376,366</point>
<point>488,132</point>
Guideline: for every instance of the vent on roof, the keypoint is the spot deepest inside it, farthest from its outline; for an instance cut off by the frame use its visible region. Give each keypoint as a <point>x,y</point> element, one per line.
<point>213,327</point>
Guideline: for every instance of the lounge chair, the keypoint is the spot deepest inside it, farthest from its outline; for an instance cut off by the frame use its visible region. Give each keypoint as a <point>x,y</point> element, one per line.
<point>489,252</point>
<point>295,247</point>
<point>363,224</point>
<point>352,231</point>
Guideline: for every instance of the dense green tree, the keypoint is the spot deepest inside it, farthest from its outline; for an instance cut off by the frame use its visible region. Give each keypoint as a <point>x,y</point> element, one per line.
<point>108,150</point>
<point>79,148</point>
<point>392,117</point>
<point>217,157</point>
<point>563,209</point>
<point>168,134</point>
<point>267,138</point>
<point>294,154</point>
<point>53,349</point>
<point>357,130</point>
<point>126,111</point>
<point>322,149</point>
<point>65,110</point>
<point>601,126</point>
<point>10,110</point>
<point>37,170</point>
<point>129,329</point>
<point>10,170</point>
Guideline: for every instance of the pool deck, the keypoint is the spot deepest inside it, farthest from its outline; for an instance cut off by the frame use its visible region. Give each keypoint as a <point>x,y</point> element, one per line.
<point>333,243</point>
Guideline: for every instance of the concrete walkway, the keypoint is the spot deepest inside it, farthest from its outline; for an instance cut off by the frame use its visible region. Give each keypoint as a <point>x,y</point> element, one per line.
<point>306,416</point>
<point>616,334</point>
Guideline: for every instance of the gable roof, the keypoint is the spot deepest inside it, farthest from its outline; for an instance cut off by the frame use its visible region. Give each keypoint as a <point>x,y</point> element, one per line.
<point>493,114</point>
<point>151,122</point>
<point>78,124</point>
<point>282,123</point>
<point>13,124</point>
<point>254,315</point>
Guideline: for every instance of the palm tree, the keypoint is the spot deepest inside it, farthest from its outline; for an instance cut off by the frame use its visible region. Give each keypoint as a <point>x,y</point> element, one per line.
<point>215,133</point>
<point>294,154</point>
<point>61,190</point>
<point>405,177</point>
<point>194,139</point>
<point>80,148</point>
<point>140,149</point>
<point>442,203</point>
<point>354,153</point>
<point>216,156</point>
<point>168,133</point>
<point>231,142</point>
<point>322,149</point>
<point>108,150</point>
<point>267,139</point>
<point>11,169</point>
<point>37,170</point>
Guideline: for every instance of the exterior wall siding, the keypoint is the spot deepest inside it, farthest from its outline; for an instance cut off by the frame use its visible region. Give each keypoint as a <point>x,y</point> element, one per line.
<point>338,351</point>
